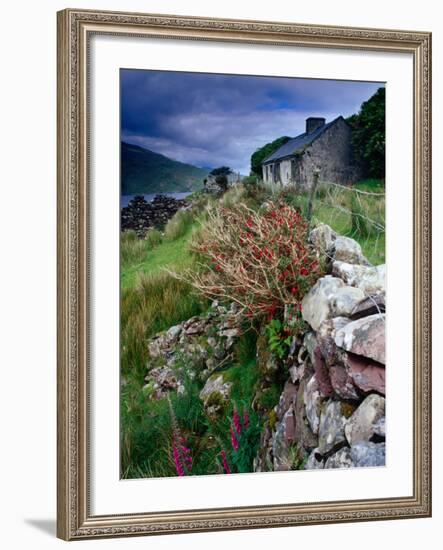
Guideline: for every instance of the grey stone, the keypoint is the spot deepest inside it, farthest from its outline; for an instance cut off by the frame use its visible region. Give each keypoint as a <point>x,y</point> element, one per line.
<point>345,300</point>
<point>349,251</point>
<point>313,403</point>
<point>173,333</point>
<point>380,427</point>
<point>367,454</point>
<point>371,280</point>
<point>322,237</point>
<point>331,427</point>
<point>362,424</point>
<point>365,336</point>
<point>341,459</point>
<point>283,437</point>
<point>314,461</point>
<point>316,305</point>
<point>215,393</point>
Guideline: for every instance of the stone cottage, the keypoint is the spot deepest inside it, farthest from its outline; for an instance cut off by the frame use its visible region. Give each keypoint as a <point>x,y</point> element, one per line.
<point>325,148</point>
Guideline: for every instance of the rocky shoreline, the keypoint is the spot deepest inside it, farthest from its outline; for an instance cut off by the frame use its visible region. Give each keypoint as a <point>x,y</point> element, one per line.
<point>140,215</point>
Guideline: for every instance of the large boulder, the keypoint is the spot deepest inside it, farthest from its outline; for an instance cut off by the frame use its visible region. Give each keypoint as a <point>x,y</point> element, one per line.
<point>349,251</point>
<point>363,423</point>
<point>371,280</point>
<point>365,336</point>
<point>317,303</point>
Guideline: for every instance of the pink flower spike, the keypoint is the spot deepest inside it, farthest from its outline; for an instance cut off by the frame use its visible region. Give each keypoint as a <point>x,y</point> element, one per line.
<point>246,420</point>
<point>234,440</point>
<point>177,462</point>
<point>237,422</point>
<point>225,462</point>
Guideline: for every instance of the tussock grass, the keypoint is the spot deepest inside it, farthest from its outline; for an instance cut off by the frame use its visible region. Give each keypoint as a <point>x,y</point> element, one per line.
<point>179,224</point>
<point>132,249</point>
<point>154,304</point>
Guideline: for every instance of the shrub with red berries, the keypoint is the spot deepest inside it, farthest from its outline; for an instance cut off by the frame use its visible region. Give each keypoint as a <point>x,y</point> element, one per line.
<point>260,260</point>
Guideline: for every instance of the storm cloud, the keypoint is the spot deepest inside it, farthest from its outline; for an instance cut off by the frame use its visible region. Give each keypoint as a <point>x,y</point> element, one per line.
<point>214,120</point>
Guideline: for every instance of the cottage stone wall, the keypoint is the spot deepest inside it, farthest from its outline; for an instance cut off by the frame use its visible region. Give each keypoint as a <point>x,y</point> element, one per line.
<point>331,154</point>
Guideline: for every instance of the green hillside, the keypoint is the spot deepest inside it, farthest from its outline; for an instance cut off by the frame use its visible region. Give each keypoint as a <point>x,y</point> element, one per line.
<point>143,171</point>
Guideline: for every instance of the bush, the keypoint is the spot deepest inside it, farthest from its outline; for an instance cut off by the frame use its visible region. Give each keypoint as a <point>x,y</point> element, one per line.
<point>260,260</point>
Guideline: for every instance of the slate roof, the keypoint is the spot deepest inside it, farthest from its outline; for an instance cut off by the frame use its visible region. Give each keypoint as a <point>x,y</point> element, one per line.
<point>296,144</point>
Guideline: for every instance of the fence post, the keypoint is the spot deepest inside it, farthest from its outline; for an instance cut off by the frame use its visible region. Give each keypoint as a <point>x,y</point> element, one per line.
<point>315,178</point>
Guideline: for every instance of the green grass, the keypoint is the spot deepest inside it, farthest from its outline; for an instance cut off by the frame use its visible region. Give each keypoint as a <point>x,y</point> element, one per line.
<point>171,254</point>
<point>330,205</point>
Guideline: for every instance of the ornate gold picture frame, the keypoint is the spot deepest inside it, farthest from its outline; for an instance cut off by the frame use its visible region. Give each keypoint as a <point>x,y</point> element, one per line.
<point>75,29</point>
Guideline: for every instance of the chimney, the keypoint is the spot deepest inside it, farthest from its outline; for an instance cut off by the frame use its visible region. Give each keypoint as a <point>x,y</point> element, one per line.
<point>313,123</point>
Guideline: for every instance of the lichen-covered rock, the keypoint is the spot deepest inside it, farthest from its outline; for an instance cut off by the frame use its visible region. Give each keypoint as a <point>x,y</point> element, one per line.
<point>341,459</point>
<point>349,251</point>
<point>317,303</point>
<point>160,381</point>
<point>313,403</point>
<point>371,280</point>
<point>345,301</point>
<point>361,425</point>
<point>365,336</point>
<point>322,238</point>
<point>367,454</point>
<point>215,393</point>
<point>310,343</point>
<point>331,428</point>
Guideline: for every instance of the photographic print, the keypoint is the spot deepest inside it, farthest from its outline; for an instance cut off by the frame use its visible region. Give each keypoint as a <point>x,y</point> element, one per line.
<point>252,274</point>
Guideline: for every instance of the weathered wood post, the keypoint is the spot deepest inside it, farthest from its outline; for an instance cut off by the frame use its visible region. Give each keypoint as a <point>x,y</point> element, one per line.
<point>315,179</point>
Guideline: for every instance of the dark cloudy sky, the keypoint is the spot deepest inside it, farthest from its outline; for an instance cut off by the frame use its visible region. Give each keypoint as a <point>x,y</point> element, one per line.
<point>214,120</point>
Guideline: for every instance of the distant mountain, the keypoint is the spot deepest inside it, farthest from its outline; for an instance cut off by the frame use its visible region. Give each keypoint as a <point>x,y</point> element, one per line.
<point>145,172</point>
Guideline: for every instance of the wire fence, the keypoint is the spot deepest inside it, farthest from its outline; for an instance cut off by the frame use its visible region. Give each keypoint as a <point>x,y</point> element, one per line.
<point>353,211</point>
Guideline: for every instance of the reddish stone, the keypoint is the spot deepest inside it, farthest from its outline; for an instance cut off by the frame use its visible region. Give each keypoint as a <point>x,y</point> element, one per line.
<point>366,375</point>
<point>342,382</point>
<point>322,374</point>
